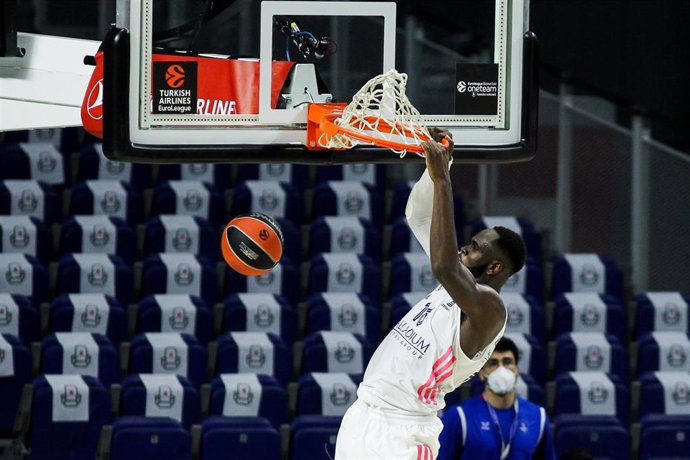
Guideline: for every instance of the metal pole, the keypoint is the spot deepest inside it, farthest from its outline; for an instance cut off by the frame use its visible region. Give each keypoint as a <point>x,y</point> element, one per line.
<point>563,235</point>
<point>639,202</point>
<point>483,189</point>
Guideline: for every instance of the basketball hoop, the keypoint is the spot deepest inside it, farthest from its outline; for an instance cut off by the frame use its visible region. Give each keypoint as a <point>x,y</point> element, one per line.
<point>379,114</point>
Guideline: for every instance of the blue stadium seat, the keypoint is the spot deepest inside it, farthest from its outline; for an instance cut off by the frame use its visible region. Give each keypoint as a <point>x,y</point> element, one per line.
<point>181,313</point>
<point>169,273</point>
<point>663,351</point>
<point>526,387</point>
<point>30,198</point>
<point>15,371</point>
<point>313,436</point>
<point>186,197</point>
<point>70,433</point>
<point>528,281</point>
<point>94,274</point>
<point>181,234</point>
<point>327,394</point>
<point>18,317</point>
<point>402,238</point>
<point>665,437</point>
<point>602,436</point>
<point>590,273</point>
<point>665,393</point>
<point>532,359</point>
<point>95,313</point>
<point>592,393</point>
<point>93,165</point>
<point>98,235</point>
<point>590,312</point>
<point>108,198</point>
<point>39,161</point>
<point>345,273</point>
<point>163,353</point>
<point>525,315</point>
<point>520,225</point>
<point>343,311</point>
<point>283,279</point>
<point>65,139</point>
<point>367,173</point>
<point>401,193</point>
<point>235,395</point>
<point>254,352</point>
<point>155,438</point>
<point>276,199</point>
<point>24,275</point>
<point>292,241</point>
<point>166,395</point>
<point>26,235</point>
<point>330,351</point>
<point>297,175</point>
<point>80,353</point>
<point>587,351</point>
<point>662,311</point>
<point>338,234</point>
<point>260,313</point>
<point>243,437</point>
<point>348,198</point>
<point>217,175</point>
<point>411,272</point>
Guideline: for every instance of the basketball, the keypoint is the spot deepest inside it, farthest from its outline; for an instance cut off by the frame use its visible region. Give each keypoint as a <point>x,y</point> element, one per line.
<point>252,244</point>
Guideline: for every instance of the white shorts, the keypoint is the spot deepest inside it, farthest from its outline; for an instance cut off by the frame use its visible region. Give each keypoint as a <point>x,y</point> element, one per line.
<point>371,433</point>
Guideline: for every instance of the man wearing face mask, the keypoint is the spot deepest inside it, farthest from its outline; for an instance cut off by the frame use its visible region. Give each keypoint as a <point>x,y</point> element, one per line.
<point>497,424</point>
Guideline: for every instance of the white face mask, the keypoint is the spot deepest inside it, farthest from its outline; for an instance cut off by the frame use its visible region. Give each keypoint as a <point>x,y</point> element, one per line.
<point>501,381</point>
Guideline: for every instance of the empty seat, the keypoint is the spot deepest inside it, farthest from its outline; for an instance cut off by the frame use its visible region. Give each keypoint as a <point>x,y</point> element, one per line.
<point>665,437</point>
<point>326,393</point>
<point>30,198</point>
<point>260,313</point>
<point>181,313</point>
<point>95,274</point>
<point>529,281</point>
<point>15,371</point>
<point>65,139</point>
<point>253,352</point>
<point>297,175</point>
<point>602,436</point>
<point>92,313</point>
<point>662,311</point>
<point>591,393</point>
<point>586,273</point>
<point>80,353</point>
<point>26,235</point>
<point>187,197</point>
<point>345,273</point>
<point>402,238</point>
<point>276,199</point>
<point>168,353</point>
<point>169,273</point>
<point>590,312</point>
<point>67,413</point>
<point>243,437</point>
<point>98,235</point>
<point>160,395</point>
<point>519,225</point>
<point>249,395</point>
<point>217,175</point>
<point>181,234</point>
<point>348,198</point>
<point>665,392</point>
<point>525,315</point>
<point>283,279</point>
<point>411,272</point>
<point>139,438</point>
<point>93,165</point>
<point>40,161</point>
<point>24,275</point>
<point>18,317</point>
<point>108,198</point>
<point>663,351</point>
<point>338,234</point>
<point>367,173</point>
<point>313,436</point>
<point>591,351</point>
<point>329,351</point>
<point>345,312</point>
<point>532,356</point>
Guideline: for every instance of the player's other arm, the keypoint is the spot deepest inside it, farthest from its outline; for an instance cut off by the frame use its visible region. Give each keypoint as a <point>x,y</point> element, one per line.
<point>481,304</point>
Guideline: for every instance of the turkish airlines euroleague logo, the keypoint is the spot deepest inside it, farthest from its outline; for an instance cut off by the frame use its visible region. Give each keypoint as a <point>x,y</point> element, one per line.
<point>174,87</point>
<point>94,103</point>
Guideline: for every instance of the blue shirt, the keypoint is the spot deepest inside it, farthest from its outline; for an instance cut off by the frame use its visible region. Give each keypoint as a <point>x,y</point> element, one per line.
<point>470,433</point>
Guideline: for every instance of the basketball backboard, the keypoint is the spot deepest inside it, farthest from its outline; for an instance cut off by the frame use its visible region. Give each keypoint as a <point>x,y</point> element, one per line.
<point>172,106</point>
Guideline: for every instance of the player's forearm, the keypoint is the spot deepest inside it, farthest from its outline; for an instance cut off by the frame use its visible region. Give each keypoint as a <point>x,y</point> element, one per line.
<point>443,245</point>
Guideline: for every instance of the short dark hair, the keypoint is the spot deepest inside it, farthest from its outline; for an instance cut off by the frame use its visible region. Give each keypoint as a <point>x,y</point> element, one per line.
<point>512,245</point>
<point>505,344</point>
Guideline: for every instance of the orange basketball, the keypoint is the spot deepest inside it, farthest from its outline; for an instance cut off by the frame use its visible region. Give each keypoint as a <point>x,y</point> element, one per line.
<point>252,243</point>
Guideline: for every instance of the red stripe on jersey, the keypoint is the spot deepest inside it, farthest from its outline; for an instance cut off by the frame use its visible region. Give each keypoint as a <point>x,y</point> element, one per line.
<point>426,392</point>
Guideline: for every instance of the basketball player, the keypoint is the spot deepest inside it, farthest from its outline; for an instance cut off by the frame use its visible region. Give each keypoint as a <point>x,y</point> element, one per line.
<point>444,339</point>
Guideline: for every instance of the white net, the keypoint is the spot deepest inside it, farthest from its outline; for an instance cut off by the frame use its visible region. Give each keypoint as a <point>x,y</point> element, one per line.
<point>381,110</point>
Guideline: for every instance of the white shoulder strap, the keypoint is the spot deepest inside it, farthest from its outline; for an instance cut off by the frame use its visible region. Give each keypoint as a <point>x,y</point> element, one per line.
<point>542,422</point>
<point>463,422</point>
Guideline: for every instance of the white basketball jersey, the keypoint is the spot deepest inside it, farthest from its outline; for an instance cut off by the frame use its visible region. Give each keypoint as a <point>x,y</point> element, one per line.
<point>420,360</point>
